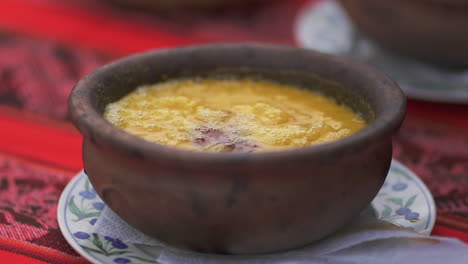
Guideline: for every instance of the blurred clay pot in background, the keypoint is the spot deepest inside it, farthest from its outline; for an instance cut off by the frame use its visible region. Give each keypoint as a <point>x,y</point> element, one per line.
<point>433,31</point>
<point>167,5</point>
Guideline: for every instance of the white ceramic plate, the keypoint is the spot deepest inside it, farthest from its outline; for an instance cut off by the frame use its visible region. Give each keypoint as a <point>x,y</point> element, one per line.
<point>324,26</point>
<point>403,200</point>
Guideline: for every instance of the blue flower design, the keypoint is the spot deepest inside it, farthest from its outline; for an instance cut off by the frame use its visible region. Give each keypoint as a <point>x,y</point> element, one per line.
<point>99,206</point>
<point>122,260</point>
<point>91,194</point>
<point>412,216</point>
<point>410,228</point>
<point>93,221</point>
<point>108,238</point>
<point>117,243</point>
<point>403,211</point>
<point>81,235</point>
<point>399,186</point>
<point>409,215</point>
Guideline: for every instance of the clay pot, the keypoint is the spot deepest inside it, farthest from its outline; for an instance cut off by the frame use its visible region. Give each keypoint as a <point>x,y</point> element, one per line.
<point>433,31</point>
<point>238,203</point>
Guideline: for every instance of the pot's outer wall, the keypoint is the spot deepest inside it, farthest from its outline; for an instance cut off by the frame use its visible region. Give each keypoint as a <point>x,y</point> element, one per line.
<point>239,209</point>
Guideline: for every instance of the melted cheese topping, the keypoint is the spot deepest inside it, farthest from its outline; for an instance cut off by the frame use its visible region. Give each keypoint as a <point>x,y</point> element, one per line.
<point>231,115</point>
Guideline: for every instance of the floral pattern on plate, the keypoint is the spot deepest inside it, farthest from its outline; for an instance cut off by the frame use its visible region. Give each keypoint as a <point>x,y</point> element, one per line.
<point>403,200</point>
<point>324,26</point>
<point>78,210</point>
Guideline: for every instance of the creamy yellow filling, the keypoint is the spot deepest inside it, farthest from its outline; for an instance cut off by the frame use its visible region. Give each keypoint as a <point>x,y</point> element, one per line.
<point>231,115</point>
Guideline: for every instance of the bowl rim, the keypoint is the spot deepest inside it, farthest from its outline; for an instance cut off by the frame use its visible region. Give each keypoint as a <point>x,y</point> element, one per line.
<point>93,125</point>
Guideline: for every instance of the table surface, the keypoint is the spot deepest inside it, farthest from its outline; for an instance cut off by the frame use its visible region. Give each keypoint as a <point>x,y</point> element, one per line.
<point>47,45</point>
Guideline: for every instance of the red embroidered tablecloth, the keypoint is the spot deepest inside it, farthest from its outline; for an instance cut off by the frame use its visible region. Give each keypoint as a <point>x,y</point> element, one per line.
<point>47,45</point>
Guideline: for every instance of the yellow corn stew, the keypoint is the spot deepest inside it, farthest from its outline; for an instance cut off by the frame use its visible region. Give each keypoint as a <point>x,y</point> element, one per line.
<point>231,115</point>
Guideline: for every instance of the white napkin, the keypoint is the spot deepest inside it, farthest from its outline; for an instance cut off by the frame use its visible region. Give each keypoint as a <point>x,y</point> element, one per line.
<point>366,240</point>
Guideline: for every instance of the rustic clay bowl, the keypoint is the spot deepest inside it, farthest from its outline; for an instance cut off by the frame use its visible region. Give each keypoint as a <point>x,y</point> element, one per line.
<point>238,203</point>
<point>434,31</point>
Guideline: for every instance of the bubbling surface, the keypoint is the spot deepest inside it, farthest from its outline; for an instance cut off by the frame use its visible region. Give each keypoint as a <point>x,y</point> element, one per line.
<point>232,115</point>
